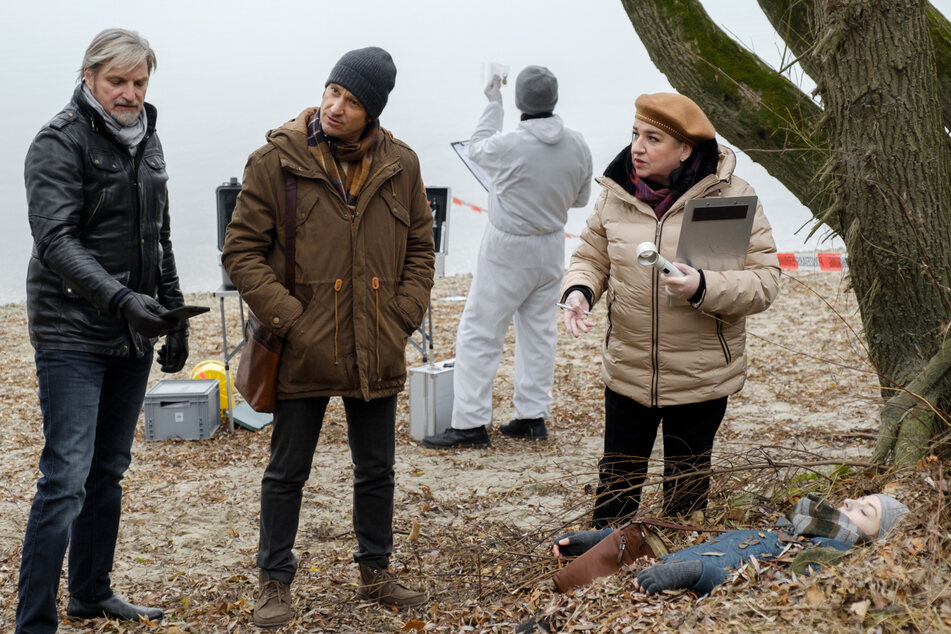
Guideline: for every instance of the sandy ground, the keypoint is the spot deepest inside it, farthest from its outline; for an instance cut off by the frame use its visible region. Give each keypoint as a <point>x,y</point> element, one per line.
<point>469,523</point>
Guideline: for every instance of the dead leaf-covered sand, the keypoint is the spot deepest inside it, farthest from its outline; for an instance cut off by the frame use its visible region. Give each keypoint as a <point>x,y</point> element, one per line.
<point>473,527</point>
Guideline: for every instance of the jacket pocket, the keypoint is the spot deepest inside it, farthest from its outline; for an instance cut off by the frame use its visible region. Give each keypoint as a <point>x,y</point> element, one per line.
<point>319,351</point>
<point>104,161</point>
<point>389,332</point>
<point>721,337</point>
<point>91,215</point>
<point>156,163</point>
<point>79,319</point>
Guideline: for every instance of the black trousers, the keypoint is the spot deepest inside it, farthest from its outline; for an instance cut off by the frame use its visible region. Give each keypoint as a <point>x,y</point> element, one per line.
<point>629,432</point>
<point>371,431</point>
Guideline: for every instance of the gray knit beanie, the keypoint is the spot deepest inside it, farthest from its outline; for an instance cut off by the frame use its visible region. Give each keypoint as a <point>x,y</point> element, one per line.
<point>892,511</point>
<point>536,90</point>
<point>369,73</point>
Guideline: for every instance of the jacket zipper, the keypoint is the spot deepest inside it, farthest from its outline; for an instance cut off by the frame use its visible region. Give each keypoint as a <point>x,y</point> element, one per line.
<point>655,320</point>
<point>655,299</point>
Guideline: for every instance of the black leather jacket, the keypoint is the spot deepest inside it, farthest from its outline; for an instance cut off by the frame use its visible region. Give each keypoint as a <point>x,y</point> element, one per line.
<point>100,223</point>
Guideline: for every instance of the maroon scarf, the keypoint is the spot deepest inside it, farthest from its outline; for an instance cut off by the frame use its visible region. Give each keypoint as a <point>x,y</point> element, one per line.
<point>661,198</point>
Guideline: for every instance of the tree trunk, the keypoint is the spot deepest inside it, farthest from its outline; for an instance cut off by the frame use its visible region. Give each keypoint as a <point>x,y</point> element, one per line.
<point>879,152</point>
<point>754,108</point>
<point>940,30</point>
<point>795,22</point>
<point>889,174</point>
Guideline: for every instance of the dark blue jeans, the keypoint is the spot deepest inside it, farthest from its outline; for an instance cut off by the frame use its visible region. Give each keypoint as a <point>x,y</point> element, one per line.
<point>90,404</point>
<point>371,432</point>
<point>629,432</point>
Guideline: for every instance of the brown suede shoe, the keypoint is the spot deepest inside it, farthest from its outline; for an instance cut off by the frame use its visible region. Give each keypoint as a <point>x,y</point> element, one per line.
<point>272,606</point>
<point>380,584</point>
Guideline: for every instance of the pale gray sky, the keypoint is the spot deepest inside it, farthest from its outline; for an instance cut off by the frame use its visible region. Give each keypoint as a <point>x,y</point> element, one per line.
<point>230,70</point>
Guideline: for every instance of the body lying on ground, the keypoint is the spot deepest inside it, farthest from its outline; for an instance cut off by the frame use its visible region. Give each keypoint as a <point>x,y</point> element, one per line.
<point>812,524</point>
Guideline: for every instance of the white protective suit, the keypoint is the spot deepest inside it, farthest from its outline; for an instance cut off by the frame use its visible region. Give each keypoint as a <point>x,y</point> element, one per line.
<point>538,172</point>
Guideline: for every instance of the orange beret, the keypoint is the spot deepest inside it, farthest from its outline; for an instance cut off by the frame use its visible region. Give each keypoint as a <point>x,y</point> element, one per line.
<point>677,115</point>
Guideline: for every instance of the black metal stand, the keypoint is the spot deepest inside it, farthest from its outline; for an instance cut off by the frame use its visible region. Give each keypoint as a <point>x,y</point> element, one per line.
<point>425,330</point>
<point>221,293</point>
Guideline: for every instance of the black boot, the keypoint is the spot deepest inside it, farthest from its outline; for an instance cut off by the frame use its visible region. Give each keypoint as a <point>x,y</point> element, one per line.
<point>452,438</point>
<point>112,608</point>
<point>526,428</point>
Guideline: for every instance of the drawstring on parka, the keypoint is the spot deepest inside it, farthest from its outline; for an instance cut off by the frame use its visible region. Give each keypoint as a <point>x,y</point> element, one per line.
<point>338,284</point>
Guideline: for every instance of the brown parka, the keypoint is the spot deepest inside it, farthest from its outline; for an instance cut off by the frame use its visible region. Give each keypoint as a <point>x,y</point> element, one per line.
<point>363,276</point>
<point>662,355</point>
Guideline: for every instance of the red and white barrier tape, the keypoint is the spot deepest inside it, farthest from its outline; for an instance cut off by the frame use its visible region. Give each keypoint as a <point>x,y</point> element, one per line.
<point>788,261</point>
<point>478,209</point>
<point>813,261</point>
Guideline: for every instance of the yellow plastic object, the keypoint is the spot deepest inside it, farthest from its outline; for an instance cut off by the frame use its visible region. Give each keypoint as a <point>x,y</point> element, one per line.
<point>214,369</point>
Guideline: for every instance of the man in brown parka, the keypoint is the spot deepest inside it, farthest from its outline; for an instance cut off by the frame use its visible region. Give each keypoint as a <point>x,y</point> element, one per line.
<point>364,267</point>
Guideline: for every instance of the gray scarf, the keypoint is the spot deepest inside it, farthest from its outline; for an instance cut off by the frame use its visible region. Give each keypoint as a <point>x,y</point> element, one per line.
<point>130,136</point>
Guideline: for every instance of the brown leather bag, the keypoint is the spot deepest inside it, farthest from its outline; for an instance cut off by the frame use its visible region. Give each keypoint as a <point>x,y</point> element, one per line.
<point>257,372</point>
<point>256,378</point>
<point>629,542</point>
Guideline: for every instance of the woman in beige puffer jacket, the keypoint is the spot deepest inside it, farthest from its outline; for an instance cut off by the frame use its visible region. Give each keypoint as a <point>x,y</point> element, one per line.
<point>677,362</point>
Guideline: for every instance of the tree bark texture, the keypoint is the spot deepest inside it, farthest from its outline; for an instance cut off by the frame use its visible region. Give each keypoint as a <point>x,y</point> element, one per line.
<point>795,22</point>
<point>754,108</point>
<point>889,172</point>
<point>940,30</point>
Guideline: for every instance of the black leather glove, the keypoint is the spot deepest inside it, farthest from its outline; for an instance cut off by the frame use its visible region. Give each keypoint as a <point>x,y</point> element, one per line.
<point>145,314</point>
<point>173,354</point>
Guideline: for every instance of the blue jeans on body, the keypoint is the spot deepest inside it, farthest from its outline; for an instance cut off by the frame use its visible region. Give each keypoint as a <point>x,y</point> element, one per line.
<point>90,404</point>
<point>371,432</point>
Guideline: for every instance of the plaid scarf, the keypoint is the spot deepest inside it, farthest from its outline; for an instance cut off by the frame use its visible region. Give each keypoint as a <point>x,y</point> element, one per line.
<point>812,517</point>
<point>330,151</point>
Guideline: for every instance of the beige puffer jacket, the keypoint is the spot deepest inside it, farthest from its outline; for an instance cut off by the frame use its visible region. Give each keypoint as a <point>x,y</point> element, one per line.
<point>363,278</point>
<point>662,355</point>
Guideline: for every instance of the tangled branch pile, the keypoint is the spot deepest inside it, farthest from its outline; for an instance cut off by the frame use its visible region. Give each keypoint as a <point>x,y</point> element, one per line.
<point>473,527</point>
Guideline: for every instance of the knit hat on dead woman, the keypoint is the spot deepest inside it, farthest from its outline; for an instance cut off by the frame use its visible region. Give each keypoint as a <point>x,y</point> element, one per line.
<point>369,73</point>
<point>892,511</point>
<point>676,115</point>
<point>536,90</point>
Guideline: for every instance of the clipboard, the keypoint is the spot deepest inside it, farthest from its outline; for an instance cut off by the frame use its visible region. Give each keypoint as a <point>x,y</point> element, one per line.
<point>715,232</point>
<point>462,149</point>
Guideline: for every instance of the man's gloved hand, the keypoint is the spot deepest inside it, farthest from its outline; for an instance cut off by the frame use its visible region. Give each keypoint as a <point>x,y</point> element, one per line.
<point>145,314</point>
<point>173,354</point>
<point>493,89</point>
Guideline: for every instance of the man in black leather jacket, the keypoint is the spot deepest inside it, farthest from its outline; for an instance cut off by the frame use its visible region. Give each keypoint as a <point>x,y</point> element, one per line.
<point>100,282</point>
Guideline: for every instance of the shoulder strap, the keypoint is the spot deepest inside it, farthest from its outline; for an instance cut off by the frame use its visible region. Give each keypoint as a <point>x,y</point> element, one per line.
<point>290,231</point>
<point>677,527</point>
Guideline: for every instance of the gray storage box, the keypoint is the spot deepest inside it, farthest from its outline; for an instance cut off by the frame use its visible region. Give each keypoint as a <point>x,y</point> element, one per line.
<point>430,398</point>
<point>187,409</point>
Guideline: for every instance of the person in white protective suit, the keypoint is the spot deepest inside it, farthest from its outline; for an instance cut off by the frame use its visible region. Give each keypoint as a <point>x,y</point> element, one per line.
<point>538,172</point>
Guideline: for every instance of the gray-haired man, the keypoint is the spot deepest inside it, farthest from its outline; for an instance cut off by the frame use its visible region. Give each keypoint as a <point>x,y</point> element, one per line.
<point>100,282</point>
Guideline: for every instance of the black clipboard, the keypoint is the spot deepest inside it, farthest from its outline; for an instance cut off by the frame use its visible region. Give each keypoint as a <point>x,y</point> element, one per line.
<point>186,312</point>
